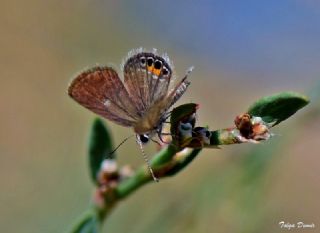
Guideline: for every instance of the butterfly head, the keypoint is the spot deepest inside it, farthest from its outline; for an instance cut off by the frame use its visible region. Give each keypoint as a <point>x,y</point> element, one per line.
<point>144,138</point>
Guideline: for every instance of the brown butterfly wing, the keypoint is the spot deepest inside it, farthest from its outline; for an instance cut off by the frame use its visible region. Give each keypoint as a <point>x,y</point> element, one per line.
<point>101,91</point>
<point>147,78</point>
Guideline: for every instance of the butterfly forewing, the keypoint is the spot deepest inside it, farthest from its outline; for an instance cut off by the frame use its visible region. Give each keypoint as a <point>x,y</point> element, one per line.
<point>101,90</point>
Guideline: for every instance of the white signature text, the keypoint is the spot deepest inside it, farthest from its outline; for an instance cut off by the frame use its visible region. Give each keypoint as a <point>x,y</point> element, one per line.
<point>298,225</point>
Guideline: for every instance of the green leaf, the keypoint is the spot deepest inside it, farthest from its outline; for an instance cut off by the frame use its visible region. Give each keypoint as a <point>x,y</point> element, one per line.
<point>100,147</point>
<point>278,107</point>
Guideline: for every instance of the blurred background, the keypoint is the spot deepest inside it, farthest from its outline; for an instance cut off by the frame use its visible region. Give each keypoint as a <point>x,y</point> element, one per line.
<point>241,50</point>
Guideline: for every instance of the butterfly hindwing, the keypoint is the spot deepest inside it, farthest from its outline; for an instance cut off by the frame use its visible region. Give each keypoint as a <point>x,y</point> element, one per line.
<point>147,77</point>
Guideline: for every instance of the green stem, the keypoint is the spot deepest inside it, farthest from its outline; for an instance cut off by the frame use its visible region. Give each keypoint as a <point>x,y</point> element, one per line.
<point>87,223</point>
<point>223,137</point>
<point>126,187</point>
<point>164,156</point>
<point>142,175</point>
<point>183,162</point>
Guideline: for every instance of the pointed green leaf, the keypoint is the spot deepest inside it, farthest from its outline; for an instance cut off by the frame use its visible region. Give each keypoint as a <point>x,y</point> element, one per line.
<point>100,146</point>
<point>278,107</point>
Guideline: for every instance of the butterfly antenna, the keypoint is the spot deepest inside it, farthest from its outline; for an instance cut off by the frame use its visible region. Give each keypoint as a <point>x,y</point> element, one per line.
<point>146,159</point>
<point>124,140</point>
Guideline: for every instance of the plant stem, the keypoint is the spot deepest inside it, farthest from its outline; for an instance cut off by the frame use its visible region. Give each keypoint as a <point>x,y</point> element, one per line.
<point>142,175</point>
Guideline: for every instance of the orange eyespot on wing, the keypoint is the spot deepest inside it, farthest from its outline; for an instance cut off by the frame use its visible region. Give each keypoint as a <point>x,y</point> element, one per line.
<point>147,77</point>
<point>154,66</point>
<point>157,67</point>
<point>154,71</point>
<point>150,68</point>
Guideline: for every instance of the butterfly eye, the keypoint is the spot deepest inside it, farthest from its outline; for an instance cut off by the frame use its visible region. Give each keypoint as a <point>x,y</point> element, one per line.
<point>144,138</point>
<point>157,64</point>
<point>150,61</point>
<point>142,61</point>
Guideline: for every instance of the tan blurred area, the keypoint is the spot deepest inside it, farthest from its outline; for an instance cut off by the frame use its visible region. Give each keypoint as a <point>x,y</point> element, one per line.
<point>44,178</point>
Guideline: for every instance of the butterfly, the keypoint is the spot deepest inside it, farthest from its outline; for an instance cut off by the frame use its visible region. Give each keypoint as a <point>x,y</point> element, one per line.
<point>141,101</point>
